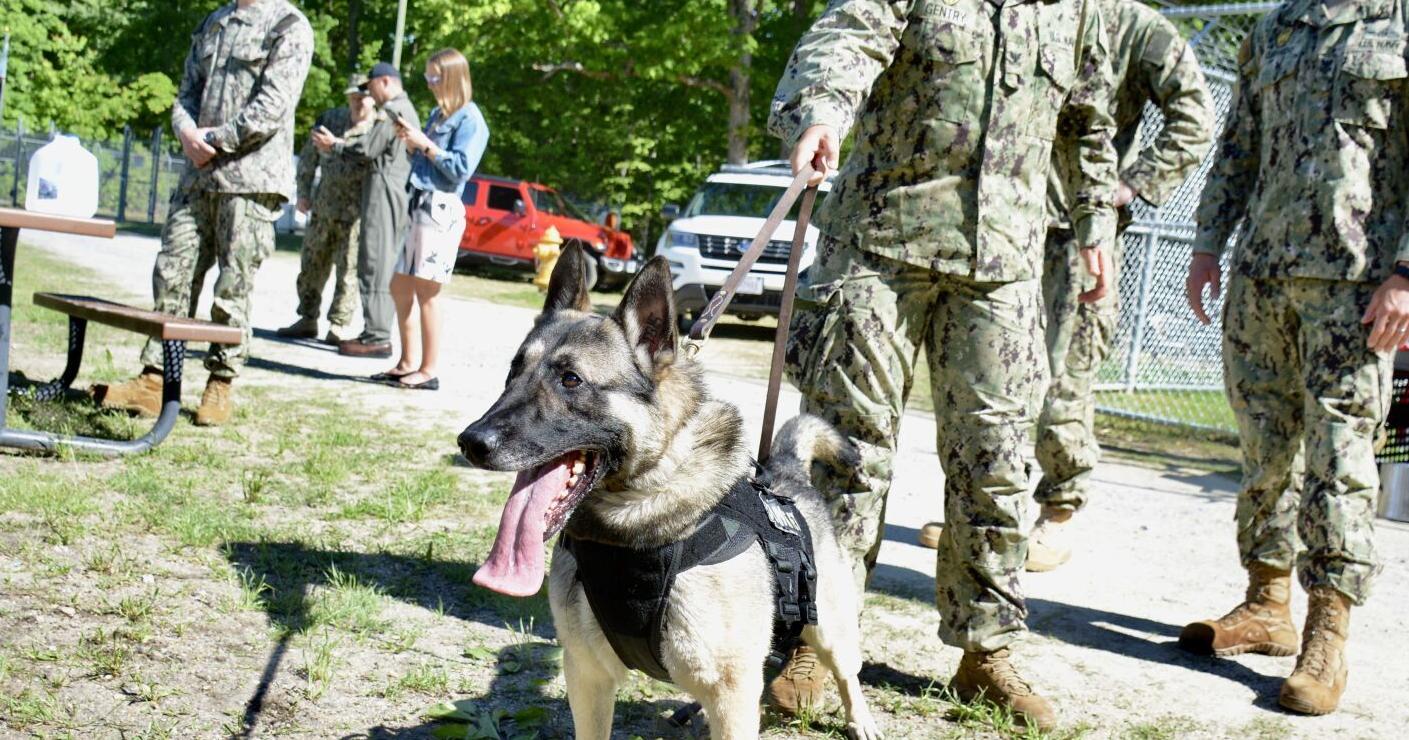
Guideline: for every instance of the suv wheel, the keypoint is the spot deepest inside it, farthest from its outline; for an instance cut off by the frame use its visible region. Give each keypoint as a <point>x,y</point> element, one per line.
<point>684,321</point>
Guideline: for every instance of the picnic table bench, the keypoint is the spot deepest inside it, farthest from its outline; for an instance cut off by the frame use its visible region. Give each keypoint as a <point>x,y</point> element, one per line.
<point>172,331</point>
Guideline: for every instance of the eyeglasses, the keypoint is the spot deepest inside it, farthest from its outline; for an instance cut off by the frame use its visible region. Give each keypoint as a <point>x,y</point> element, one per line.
<point>432,79</point>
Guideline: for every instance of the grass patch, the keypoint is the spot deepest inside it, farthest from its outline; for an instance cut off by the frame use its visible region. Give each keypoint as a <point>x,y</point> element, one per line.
<point>320,664</point>
<point>407,499</point>
<point>349,604</point>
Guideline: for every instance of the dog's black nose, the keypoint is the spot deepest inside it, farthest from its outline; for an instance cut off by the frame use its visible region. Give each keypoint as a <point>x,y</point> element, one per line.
<point>477,441</point>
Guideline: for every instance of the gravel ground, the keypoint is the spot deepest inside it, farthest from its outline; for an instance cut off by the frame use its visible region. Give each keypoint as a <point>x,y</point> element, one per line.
<point>1156,548</point>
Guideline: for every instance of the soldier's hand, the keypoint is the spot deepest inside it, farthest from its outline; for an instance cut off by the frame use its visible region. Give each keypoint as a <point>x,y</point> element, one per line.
<point>196,149</point>
<point>1098,265</point>
<point>1389,312</point>
<point>324,140</point>
<point>304,206</point>
<point>819,146</point>
<point>1203,270</point>
<point>1124,195</point>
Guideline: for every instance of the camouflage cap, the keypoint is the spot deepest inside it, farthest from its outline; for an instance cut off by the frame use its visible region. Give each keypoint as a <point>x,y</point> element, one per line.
<point>357,83</point>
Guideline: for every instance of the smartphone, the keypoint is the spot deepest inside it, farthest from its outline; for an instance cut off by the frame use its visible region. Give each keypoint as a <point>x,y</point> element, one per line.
<point>395,117</point>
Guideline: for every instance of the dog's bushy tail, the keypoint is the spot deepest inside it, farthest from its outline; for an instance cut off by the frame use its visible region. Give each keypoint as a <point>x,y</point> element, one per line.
<point>806,438</point>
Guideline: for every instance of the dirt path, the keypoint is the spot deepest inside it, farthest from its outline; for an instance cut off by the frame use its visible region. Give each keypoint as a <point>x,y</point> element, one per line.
<point>1157,550</point>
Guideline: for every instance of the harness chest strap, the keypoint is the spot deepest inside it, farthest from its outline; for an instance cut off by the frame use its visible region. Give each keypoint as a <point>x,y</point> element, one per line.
<point>628,589</point>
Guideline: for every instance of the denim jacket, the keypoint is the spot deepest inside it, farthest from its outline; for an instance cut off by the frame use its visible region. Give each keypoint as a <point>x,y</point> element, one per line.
<point>461,139</point>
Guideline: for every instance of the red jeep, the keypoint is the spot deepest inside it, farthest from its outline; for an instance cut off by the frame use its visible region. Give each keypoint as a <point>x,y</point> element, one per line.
<point>504,220</point>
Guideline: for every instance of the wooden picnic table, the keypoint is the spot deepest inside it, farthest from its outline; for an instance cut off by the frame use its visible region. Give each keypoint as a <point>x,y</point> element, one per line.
<point>172,331</point>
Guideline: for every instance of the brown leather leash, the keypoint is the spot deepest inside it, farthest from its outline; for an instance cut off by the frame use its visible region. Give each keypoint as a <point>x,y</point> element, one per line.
<point>699,331</point>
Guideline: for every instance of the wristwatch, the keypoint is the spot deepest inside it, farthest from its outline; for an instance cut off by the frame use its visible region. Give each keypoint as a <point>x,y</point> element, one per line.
<point>1402,269</point>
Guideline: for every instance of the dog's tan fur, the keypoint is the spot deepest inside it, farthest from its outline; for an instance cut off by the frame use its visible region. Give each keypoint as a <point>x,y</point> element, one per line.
<point>683,452</point>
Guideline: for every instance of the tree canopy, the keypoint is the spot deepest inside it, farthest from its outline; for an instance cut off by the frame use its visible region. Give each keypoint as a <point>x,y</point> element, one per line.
<point>620,102</point>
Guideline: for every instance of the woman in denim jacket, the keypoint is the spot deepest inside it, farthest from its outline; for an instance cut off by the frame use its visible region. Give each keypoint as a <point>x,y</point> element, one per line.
<point>443,157</point>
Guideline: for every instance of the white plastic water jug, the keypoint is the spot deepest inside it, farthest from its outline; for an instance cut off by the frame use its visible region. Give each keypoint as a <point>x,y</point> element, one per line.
<point>63,179</point>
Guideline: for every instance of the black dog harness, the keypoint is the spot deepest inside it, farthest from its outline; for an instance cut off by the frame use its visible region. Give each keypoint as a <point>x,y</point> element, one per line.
<point>628,588</point>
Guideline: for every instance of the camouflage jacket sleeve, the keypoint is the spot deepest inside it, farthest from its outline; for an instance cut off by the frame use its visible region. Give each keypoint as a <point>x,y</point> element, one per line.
<point>1177,86</point>
<point>835,62</point>
<point>279,89</point>
<point>1234,174</point>
<point>1093,214</point>
<point>187,108</point>
<point>307,165</point>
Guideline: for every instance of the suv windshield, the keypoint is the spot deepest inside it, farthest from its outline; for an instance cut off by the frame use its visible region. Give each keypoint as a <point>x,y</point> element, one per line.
<point>734,199</point>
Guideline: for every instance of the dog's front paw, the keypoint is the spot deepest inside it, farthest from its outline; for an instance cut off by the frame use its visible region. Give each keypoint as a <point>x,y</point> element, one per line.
<point>863,728</point>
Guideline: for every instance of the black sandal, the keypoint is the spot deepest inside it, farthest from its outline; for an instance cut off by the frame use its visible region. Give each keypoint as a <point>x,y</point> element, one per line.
<point>426,385</point>
<point>388,377</point>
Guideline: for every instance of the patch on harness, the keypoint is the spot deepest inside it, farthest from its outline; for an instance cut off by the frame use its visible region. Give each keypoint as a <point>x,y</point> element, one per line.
<point>783,518</point>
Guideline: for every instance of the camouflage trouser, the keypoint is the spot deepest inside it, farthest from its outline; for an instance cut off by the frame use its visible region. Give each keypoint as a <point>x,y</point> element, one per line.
<point>204,229</point>
<point>852,352</point>
<point>329,246</point>
<point>1078,340</point>
<point>1301,379</point>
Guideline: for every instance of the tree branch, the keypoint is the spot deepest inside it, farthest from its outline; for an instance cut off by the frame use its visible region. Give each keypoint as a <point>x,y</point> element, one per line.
<point>549,70</point>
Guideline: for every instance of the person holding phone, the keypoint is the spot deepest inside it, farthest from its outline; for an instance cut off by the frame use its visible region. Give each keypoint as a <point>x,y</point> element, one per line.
<point>443,157</point>
<point>384,206</point>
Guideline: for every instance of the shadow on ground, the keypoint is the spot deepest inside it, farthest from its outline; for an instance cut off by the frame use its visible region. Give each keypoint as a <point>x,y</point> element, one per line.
<point>73,413</point>
<point>516,704</point>
<point>293,571</point>
<point>1127,635</point>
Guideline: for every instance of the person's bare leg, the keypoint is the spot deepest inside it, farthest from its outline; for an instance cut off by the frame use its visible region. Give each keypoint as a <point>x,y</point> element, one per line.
<point>428,299</point>
<point>403,295</point>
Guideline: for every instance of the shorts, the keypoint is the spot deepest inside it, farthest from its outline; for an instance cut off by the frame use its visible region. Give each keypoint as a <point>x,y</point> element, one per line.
<point>433,244</point>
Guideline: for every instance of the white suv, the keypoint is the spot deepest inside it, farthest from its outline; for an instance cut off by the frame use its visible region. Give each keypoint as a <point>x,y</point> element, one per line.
<point>705,242</point>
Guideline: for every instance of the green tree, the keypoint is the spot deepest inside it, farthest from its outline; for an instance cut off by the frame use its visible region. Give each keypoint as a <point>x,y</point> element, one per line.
<point>55,75</point>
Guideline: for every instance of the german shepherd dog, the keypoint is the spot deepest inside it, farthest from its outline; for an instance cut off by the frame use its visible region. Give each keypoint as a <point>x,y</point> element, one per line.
<point>615,438</point>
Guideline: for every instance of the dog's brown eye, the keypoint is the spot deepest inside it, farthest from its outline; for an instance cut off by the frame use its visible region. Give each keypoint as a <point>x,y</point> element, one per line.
<point>570,380</point>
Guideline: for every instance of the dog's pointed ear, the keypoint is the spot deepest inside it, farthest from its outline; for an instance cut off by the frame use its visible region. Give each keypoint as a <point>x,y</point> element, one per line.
<point>647,315</point>
<point>567,288</point>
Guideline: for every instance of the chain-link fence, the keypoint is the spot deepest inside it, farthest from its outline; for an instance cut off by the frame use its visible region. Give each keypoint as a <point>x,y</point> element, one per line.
<point>136,173</point>
<point>1164,365</point>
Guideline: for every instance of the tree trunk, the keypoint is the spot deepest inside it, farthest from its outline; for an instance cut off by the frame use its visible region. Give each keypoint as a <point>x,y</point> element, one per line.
<point>745,14</point>
<point>354,40</point>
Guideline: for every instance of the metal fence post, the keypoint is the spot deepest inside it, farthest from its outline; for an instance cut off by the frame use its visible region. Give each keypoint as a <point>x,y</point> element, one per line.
<point>156,176</point>
<point>19,162</point>
<point>126,164</point>
<point>1137,332</point>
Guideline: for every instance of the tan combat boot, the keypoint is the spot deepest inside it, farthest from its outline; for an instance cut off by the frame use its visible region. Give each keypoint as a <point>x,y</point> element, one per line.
<point>992,677</point>
<point>141,395</point>
<point>217,403</point>
<point>1047,548</point>
<point>1261,624</point>
<point>800,685</point>
<point>929,535</point>
<point>1315,687</point>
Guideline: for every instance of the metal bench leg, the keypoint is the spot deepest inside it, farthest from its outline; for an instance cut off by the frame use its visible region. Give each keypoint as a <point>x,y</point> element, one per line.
<point>54,389</point>
<point>173,359</point>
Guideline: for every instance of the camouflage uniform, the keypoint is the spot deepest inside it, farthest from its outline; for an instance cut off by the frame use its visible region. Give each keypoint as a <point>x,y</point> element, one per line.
<point>334,222</point>
<point>243,78</point>
<point>1312,165</point>
<point>1150,63</point>
<point>933,239</point>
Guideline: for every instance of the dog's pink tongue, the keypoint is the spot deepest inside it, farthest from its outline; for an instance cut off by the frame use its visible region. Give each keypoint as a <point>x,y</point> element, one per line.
<point>515,563</point>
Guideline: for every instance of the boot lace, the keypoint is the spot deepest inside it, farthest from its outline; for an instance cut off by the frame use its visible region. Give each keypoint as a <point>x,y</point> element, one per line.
<point>1004,675</point>
<point>802,665</point>
<point>1321,624</point>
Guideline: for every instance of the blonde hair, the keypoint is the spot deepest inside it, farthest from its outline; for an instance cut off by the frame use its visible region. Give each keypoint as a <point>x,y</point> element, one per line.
<point>454,90</point>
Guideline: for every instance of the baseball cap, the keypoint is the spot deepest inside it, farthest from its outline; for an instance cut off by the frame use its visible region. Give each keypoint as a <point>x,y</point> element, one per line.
<point>356,84</point>
<point>382,69</point>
